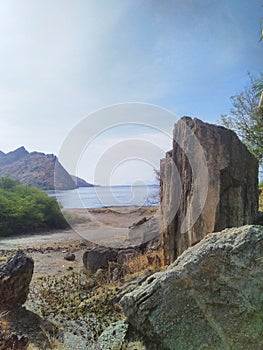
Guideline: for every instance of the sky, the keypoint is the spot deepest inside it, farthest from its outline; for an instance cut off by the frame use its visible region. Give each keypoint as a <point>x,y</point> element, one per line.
<point>64,64</point>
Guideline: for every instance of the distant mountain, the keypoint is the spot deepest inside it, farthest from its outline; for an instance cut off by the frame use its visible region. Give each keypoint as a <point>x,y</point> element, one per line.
<point>36,169</point>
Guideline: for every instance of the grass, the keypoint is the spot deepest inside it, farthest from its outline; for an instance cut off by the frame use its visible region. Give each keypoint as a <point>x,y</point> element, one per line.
<point>54,345</point>
<point>76,297</point>
<point>151,260</point>
<point>91,299</point>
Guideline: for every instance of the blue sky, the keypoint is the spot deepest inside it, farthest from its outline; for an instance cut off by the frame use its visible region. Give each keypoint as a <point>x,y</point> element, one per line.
<point>62,60</point>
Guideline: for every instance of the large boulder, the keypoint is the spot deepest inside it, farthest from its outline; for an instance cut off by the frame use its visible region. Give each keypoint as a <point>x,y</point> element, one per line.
<point>209,181</point>
<point>15,277</point>
<point>210,298</point>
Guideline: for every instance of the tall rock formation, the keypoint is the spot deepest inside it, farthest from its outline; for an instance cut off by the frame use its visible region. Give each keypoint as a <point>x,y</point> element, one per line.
<point>209,181</point>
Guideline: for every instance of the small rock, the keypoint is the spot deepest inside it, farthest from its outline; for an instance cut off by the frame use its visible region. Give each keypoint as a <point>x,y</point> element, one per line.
<point>70,257</point>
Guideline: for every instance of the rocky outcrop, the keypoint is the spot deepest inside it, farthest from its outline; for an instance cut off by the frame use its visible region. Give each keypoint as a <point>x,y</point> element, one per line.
<point>35,169</point>
<point>145,232</point>
<point>209,298</point>
<point>15,277</point>
<point>209,181</point>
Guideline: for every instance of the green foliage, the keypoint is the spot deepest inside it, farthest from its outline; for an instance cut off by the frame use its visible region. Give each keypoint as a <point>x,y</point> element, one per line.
<point>260,184</point>
<point>6,183</point>
<point>26,209</point>
<point>259,88</point>
<point>246,117</point>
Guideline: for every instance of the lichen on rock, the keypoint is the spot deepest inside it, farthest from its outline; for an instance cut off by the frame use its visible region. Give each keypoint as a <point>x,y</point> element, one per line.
<point>211,297</point>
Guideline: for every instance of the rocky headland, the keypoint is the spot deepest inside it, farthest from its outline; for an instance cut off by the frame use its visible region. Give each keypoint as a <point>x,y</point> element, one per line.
<point>37,169</point>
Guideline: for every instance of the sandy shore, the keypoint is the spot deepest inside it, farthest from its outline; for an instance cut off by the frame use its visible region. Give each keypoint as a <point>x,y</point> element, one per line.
<point>86,224</point>
<point>107,226</point>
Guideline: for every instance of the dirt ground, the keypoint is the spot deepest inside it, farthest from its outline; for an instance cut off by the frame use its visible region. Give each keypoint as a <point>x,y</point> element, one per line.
<point>106,226</point>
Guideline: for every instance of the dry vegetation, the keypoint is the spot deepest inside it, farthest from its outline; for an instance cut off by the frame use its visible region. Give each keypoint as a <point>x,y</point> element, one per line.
<point>261,199</point>
<point>79,301</point>
<point>150,261</point>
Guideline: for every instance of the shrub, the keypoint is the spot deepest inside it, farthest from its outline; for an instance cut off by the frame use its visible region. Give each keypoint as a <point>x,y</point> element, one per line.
<point>26,209</point>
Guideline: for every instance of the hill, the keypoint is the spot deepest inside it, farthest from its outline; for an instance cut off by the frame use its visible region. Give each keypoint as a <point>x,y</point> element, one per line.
<point>37,169</point>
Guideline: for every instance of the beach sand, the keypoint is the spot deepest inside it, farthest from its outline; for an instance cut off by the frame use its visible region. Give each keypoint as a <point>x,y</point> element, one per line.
<point>105,226</point>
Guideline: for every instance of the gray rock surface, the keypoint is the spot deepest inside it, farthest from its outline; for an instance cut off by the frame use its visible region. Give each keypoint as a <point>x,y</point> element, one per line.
<point>113,337</point>
<point>70,257</point>
<point>72,341</point>
<point>209,181</point>
<point>15,277</point>
<point>98,257</point>
<point>147,231</point>
<point>211,297</point>
<point>118,336</point>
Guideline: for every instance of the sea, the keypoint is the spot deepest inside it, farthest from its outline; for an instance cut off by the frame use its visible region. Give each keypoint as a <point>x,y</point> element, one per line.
<point>108,196</point>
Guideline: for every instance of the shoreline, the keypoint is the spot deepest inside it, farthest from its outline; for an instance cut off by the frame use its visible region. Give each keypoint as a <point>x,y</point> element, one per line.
<point>95,221</point>
<point>49,248</point>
